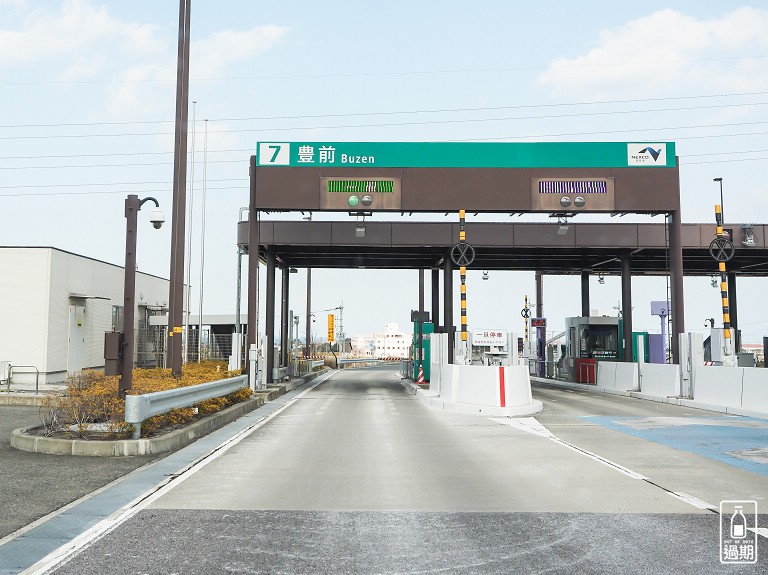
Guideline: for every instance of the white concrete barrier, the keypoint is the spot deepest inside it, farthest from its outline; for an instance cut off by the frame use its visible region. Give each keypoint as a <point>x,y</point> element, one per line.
<point>754,395</point>
<point>606,374</point>
<point>627,376</point>
<point>486,390</point>
<point>662,380</point>
<point>718,386</point>
<point>618,375</point>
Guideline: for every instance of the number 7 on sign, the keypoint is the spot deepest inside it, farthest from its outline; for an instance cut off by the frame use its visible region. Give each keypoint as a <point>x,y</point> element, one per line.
<point>273,154</point>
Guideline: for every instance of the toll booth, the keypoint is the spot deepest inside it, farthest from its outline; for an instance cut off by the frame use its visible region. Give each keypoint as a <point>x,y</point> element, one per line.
<point>426,359</point>
<point>587,341</point>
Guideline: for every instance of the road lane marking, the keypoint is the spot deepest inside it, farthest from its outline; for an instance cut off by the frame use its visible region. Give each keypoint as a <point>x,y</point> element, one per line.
<point>690,499</point>
<point>762,531</point>
<point>533,426</point>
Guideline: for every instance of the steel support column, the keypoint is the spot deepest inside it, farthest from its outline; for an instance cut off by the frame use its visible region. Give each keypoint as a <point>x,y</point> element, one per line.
<point>269,320</point>
<point>540,331</point>
<point>308,334</point>
<point>733,309</point>
<point>676,279</point>
<point>254,240</point>
<point>435,298</point>
<point>448,304</point>
<point>585,293</point>
<point>626,304</point>
<point>284,327</point>
<point>420,352</point>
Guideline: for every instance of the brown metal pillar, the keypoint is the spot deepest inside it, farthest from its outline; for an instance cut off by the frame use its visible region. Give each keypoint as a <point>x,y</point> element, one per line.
<point>585,293</point>
<point>733,311</point>
<point>435,297</point>
<point>179,207</point>
<point>253,267</point>
<point>308,334</point>
<point>420,356</point>
<point>269,320</point>
<point>541,332</point>
<point>626,304</point>
<point>284,327</point>
<point>676,279</point>
<point>448,304</point>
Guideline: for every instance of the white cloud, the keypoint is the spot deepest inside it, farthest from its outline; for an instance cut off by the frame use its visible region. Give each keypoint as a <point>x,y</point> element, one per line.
<point>227,47</point>
<point>79,35</point>
<point>668,48</point>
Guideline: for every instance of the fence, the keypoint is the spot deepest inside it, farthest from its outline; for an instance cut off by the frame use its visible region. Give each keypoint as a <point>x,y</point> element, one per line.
<point>151,347</point>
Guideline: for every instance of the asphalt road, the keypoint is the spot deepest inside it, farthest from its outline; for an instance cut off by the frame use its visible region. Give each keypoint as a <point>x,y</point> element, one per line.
<point>34,484</point>
<point>357,476</point>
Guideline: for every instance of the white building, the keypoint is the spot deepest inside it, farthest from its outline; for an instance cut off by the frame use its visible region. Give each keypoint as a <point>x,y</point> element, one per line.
<point>392,343</point>
<point>55,307</point>
<point>362,346</point>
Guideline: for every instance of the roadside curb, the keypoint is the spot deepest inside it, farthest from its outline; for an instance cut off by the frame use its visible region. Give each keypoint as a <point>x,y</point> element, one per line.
<point>26,399</point>
<point>171,441</point>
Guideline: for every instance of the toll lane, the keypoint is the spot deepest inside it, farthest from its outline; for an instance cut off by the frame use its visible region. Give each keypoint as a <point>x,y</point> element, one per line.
<point>357,476</point>
<point>360,442</point>
<point>680,448</point>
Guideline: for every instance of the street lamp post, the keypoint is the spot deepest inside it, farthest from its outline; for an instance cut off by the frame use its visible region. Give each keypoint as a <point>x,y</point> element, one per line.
<point>720,180</point>
<point>132,207</point>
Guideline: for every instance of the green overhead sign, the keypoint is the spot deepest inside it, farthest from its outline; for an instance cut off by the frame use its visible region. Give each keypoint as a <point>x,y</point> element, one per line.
<point>467,155</point>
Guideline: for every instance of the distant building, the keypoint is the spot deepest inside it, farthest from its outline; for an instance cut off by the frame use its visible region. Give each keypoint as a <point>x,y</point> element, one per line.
<point>362,346</point>
<point>389,343</point>
<point>55,307</point>
<point>392,343</point>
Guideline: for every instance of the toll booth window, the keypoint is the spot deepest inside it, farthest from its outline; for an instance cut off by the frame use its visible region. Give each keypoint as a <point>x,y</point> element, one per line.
<point>599,342</point>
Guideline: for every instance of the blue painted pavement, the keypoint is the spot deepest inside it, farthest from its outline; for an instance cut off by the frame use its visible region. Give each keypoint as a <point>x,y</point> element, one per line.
<point>738,441</point>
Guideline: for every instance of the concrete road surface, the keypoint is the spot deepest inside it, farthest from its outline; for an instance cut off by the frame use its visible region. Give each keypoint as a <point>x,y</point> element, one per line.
<point>357,476</point>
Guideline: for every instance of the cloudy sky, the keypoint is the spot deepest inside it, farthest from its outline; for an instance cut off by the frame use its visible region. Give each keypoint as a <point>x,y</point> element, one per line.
<point>87,98</point>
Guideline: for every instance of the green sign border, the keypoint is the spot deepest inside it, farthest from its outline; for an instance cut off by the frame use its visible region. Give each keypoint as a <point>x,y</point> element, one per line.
<point>463,154</point>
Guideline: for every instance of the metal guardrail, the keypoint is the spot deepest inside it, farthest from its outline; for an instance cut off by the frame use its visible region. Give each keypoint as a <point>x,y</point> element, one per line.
<point>352,360</point>
<point>140,407</point>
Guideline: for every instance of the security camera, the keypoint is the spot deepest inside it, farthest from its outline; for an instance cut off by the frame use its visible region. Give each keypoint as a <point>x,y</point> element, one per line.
<point>157,218</point>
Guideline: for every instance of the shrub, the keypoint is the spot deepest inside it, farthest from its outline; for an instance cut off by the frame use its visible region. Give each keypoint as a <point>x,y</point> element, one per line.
<point>91,398</point>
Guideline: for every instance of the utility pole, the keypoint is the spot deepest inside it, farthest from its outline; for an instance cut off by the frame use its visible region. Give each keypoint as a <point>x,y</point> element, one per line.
<point>178,210</point>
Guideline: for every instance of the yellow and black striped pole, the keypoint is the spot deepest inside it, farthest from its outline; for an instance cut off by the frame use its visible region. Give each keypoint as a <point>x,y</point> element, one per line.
<point>526,318</point>
<point>463,272</point>
<point>723,280</point>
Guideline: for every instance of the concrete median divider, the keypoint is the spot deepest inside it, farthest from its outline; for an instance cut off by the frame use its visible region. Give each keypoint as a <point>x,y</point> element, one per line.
<point>27,439</point>
<point>483,390</point>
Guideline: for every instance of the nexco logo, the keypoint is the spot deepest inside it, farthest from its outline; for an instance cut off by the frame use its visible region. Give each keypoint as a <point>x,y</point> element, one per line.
<point>647,154</point>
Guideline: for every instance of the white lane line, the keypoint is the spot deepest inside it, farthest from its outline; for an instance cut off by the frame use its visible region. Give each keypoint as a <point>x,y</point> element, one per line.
<point>603,460</point>
<point>762,531</point>
<point>67,551</point>
<point>532,425</point>
<point>691,500</point>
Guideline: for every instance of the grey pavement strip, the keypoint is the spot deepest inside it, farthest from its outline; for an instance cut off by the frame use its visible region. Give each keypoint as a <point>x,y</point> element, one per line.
<point>399,543</point>
<point>30,546</point>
